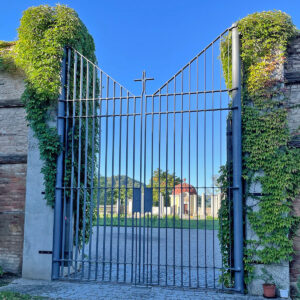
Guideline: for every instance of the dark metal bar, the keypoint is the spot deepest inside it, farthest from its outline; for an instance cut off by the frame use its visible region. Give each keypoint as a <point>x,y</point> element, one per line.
<point>181,182</point>
<point>85,169</point>
<point>145,165</point>
<point>155,187</point>
<point>159,205</point>
<point>205,235</point>
<point>174,196</point>
<point>108,98</point>
<point>190,283</point>
<point>152,133</point>
<point>141,163</point>
<point>99,177</point>
<point>65,241</point>
<point>221,163</point>
<point>156,113</point>
<point>78,167</point>
<point>237,163</point>
<point>72,162</point>
<point>214,91</point>
<point>133,185</point>
<point>229,159</point>
<point>212,201</point>
<point>57,235</point>
<point>166,200</point>
<point>126,193</point>
<point>197,173</point>
<point>105,182</point>
<point>119,198</point>
<point>112,182</point>
<point>92,174</point>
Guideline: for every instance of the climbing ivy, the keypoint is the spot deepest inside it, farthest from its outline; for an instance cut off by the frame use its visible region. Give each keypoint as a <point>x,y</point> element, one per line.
<point>7,62</point>
<point>42,35</point>
<point>268,160</point>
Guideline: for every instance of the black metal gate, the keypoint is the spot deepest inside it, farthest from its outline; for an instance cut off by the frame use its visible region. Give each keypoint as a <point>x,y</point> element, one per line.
<point>137,196</point>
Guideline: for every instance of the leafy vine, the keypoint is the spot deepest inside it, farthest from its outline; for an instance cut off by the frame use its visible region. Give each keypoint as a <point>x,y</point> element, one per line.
<point>268,160</point>
<point>43,33</point>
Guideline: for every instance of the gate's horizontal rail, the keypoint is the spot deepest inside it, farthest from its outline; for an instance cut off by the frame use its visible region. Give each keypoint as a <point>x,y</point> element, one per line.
<point>150,113</point>
<point>131,187</point>
<point>150,96</point>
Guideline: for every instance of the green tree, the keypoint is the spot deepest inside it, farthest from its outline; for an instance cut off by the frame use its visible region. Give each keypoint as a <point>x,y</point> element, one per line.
<point>163,182</point>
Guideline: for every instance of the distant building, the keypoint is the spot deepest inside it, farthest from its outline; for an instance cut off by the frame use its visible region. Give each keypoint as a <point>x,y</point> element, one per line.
<point>184,199</point>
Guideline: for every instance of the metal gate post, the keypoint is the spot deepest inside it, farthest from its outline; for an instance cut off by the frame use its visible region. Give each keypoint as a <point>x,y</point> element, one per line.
<point>58,209</point>
<point>237,162</point>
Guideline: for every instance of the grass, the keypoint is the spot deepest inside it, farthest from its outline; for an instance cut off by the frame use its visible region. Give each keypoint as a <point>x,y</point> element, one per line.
<point>210,224</point>
<point>6,295</point>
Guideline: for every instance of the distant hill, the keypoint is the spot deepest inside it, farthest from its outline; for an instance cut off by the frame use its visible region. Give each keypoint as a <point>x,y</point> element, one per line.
<point>118,181</point>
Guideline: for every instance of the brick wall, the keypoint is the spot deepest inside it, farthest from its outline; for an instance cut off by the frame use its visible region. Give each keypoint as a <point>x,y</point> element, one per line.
<point>13,157</point>
<point>292,77</point>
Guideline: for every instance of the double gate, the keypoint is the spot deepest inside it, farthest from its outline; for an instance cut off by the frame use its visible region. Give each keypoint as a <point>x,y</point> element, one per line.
<point>138,198</point>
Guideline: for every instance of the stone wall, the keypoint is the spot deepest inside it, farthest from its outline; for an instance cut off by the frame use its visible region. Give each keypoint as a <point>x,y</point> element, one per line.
<point>13,158</point>
<point>285,274</point>
<point>292,77</point>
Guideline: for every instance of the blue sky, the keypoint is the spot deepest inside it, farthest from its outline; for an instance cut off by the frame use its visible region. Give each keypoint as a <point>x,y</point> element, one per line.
<point>159,36</point>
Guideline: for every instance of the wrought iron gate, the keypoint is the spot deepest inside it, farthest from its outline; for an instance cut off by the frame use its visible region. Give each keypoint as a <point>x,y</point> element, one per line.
<point>137,199</point>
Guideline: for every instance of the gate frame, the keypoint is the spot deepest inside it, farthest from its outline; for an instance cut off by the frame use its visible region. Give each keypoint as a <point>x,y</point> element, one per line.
<point>58,209</point>
<point>236,161</point>
<point>238,228</point>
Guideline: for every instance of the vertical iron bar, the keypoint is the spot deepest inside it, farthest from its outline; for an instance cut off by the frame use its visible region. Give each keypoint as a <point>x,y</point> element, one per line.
<point>57,242</point>
<point>119,198</point>
<point>145,144</point>
<point>99,173</point>
<point>141,161</point>
<point>159,204</point>
<point>133,185</point>
<point>212,202</point>
<point>85,166</point>
<point>174,195</point>
<point>181,183</point>
<point>205,236</point>
<point>79,165</point>
<point>66,217</point>
<point>69,241</point>
<point>189,175</point>
<point>112,182</point>
<point>197,172</point>
<point>69,231</point>
<point>151,233</point>
<point>126,190</point>
<point>72,161</point>
<point>167,197</point>
<point>237,162</point>
<point>229,159</point>
<point>92,171</point>
<point>105,179</point>
<point>221,163</point>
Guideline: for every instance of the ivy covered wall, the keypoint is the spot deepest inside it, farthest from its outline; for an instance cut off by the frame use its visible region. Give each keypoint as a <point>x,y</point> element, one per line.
<point>270,161</point>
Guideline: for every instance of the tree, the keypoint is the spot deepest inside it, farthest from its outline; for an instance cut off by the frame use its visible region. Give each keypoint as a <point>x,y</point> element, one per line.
<point>162,182</point>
